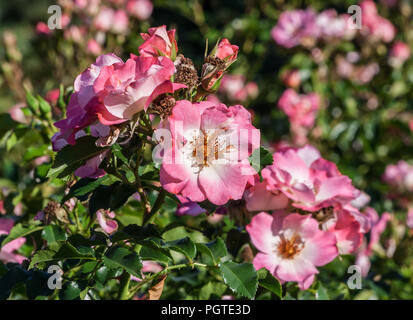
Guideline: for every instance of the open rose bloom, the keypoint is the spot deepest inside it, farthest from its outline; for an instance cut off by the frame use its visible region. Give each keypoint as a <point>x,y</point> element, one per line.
<point>208,157</point>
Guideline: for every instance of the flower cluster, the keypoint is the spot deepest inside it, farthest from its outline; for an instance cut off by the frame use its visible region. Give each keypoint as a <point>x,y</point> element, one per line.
<point>314,220</point>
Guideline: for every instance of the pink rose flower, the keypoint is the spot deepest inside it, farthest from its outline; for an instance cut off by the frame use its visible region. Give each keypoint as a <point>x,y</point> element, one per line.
<point>42,29</point>
<point>128,88</point>
<point>206,159</point>
<point>226,51</point>
<point>7,252</point>
<point>375,25</point>
<point>104,20</point>
<point>310,181</point>
<point>258,198</point>
<point>295,26</point>
<point>159,42</point>
<point>52,96</point>
<point>291,246</point>
<point>409,220</point>
<point>17,114</point>
<point>120,22</point>
<point>106,221</point>
<point>141,9</point>
<point>93,47</point>
<point>399,53</point>
<point>300,108</point>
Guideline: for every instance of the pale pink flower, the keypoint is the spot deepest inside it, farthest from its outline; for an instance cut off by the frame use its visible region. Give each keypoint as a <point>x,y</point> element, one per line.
<point>347,232</point>
<point>7,252</point>
<point>258,198</point>
<point>292,79</point>
<point>206,159</point>
<point>375,25</point>
<point>310,181</point>
<point>141,9</point>
<point>106,221</point>
<point>300,108</point>
<point>159,42</point>
<point>103,21</point>
<point>148,266</point>
<point>295,26</point>
<point>409,220</point>
<point>291,246</point>
<point>120,22</point>
<point>93,47</point>
<point>399,53</point>
<point>17,114</point>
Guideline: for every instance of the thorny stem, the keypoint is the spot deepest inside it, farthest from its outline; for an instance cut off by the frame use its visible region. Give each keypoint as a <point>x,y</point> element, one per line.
<point>163,272</point>
<point>158,203</point>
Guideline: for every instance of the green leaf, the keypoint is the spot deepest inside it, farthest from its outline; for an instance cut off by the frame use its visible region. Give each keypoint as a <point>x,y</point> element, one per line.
<point>41,257</point>
<point>152,251</point>
<point>261,158</point>
<point>53,233</point>
<point>216,289</point>
<point>128,260</point>
<point>6,123</point>
<point>45,107</point>
<point>215,249</point>
<point>34,152</point>
<point>136,233</point>
<point>241,278</point>
<point>110,197</point>
<point>70,291</point>
<point>270,283</point>
<point>32,103</point>
<point>71,157</point>
<point>117,151</point>
<point>85,186</point>
<point>20,230</point>
<point>68,251</point>
<point>184,246</point>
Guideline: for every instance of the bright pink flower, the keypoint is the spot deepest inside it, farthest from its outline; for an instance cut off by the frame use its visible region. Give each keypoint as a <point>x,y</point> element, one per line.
<point>128,88</point>
<point>207,159</point>
<point>52,96</point>
<point>226,51</point>
<point>106,221</point>
<point>291,246</point>
<point>399,53</point>
<point>310,181</point>
<point>293,27</point>
<point>43,29</point>
<point>159,42</point>
<point>141,9</point>
<point>7,252</point>
<point>300,108</point>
